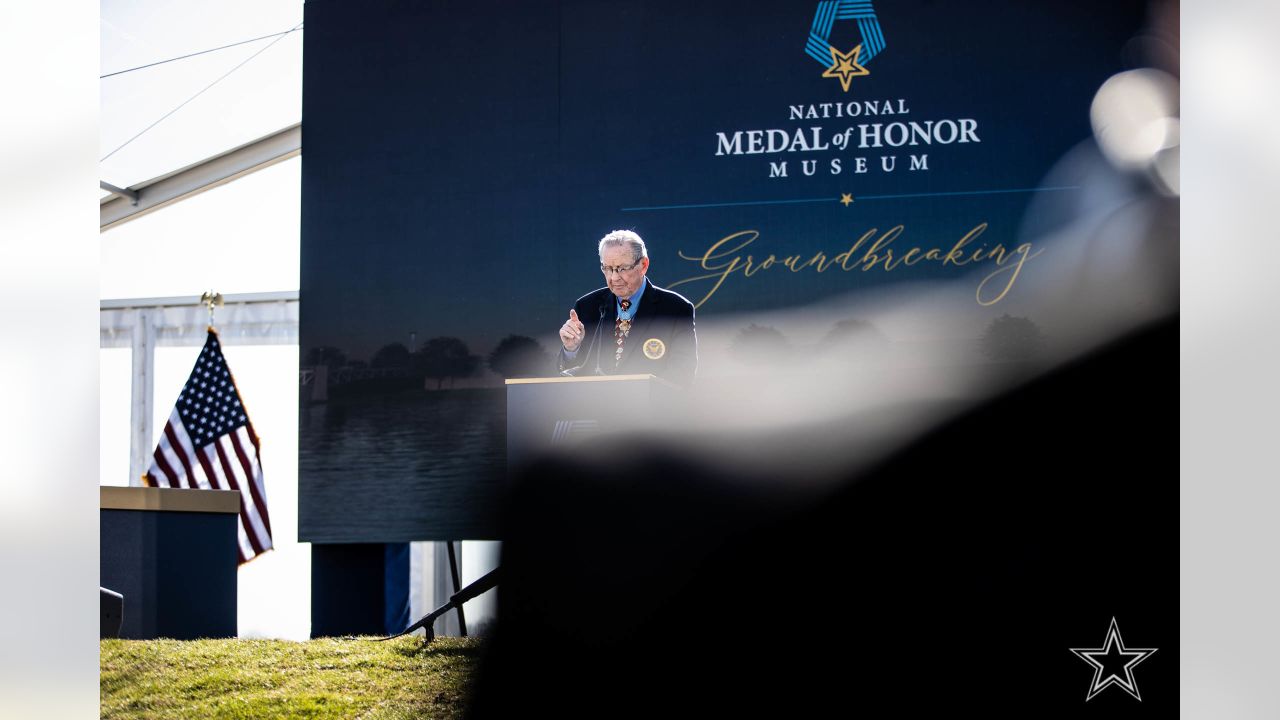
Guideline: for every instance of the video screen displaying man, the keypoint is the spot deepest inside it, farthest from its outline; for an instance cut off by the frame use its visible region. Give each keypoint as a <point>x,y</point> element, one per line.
<point>630,326</point>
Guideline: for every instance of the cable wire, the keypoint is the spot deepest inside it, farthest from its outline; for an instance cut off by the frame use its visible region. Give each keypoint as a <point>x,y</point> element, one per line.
<point>202,52</point>
<point>193,97</point>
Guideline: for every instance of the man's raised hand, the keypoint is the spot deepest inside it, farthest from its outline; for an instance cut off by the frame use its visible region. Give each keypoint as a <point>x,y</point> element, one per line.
<point>572,332</point>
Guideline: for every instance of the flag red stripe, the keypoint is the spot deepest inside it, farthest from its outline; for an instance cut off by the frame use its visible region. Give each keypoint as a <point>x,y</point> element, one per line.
<point>244,509</point>
<point>227,473</point>
<point>208,471</point>
<point>207,464</point>
<point>254,540</point>
<point>253,436</point>
<point>188,452</point>
<point>181,453</point>
<point>248,466</point>
<point>171,478</point>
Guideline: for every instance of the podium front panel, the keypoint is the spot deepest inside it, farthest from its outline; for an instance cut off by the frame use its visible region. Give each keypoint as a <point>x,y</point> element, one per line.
<point>548,414</point>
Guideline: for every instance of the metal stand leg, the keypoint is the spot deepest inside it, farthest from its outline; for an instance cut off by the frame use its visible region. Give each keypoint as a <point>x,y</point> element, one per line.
<point>457,587</point>
<point>479,587</point>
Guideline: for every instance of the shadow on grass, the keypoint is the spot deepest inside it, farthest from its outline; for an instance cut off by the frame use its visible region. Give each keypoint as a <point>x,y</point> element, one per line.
<point>436,648</point>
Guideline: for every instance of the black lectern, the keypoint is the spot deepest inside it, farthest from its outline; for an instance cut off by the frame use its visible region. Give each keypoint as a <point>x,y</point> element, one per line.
<point>544,413</point>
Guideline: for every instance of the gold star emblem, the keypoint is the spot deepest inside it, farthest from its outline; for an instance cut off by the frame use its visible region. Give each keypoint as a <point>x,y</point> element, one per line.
<point>846,198</point>
<point>845,66</point>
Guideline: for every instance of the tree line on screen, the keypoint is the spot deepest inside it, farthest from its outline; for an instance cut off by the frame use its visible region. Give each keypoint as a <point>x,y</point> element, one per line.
<point>436,361</point>
<point>447,359</point>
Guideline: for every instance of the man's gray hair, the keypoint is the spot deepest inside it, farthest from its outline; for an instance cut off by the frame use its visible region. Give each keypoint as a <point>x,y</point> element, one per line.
<point>627,238</point>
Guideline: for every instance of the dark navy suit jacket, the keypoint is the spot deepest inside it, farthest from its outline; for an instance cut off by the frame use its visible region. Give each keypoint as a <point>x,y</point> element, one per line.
<point>662,316</point>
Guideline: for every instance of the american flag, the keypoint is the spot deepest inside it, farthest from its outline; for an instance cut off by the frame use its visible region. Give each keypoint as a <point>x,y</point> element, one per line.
<point>209,443</point>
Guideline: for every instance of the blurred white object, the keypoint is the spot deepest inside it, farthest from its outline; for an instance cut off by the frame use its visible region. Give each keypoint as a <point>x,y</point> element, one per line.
<point>1135,120</point>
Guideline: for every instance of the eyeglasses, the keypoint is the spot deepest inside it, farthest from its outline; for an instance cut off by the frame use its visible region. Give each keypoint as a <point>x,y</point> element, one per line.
<point>619,269</point>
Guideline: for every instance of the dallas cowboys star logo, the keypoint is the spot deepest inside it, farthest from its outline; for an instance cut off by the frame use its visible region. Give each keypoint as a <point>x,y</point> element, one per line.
<point>1113,663</point>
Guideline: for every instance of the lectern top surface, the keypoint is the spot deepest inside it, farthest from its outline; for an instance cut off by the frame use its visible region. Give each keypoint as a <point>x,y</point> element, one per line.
<point>588,378</point>
<point>169,499</point>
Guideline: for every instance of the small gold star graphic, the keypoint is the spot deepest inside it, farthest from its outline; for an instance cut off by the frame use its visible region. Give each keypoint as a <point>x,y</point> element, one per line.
<point>844,66</point>
<point>846,198</point>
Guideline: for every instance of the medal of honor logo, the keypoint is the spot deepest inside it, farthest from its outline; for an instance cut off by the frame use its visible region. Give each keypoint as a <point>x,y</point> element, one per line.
<point>844,66</point>
<point>654,348</point>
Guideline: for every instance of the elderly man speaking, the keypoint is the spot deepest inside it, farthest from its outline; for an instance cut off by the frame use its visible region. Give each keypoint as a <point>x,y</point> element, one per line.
<point>629,326</point>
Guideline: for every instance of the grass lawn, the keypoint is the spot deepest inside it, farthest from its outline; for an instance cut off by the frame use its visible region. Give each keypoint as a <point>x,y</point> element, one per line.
<point>326,678</point>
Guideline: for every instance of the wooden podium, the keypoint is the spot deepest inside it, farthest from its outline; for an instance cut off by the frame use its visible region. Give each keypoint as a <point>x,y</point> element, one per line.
<point>547,413</point>
<point>172,554</point>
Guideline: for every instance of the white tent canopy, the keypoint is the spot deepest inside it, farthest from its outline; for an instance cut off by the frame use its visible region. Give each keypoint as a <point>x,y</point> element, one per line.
<point>125,204</point>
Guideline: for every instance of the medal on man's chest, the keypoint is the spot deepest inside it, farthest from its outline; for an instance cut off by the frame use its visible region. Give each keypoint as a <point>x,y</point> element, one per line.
<point>621,329</point>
